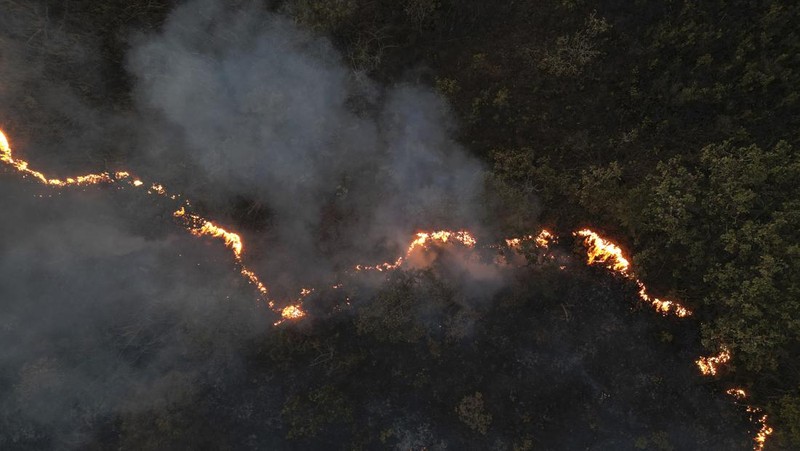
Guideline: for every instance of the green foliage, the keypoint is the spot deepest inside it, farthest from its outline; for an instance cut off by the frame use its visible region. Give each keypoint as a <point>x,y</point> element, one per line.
<point>323,16</point>
<point>518,181</point>
<point>472,412</point>
<point>727,226</point>
<point>395,314</point>
<point>731,215</point>
<point>788,430</point>
<point>447,86</point>
<point>572,52</point>
<point>656,441</point>
<point>160,416</point>
<point>421,11</point>
<point>307,414</point>
<point>602,193</point>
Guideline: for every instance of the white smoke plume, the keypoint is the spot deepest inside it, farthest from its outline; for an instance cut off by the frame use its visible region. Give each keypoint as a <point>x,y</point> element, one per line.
<point>254,106</point>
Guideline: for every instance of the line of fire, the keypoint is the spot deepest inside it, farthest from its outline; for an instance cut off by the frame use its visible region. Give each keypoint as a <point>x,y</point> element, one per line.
<point>597,251</point>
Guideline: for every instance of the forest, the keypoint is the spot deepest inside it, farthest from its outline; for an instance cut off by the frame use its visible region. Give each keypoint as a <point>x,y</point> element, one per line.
<point>670,126</point>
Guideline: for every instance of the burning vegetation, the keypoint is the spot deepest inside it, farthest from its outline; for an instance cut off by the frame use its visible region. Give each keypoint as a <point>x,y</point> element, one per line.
<point>608,254</point>
<point>599,251</point>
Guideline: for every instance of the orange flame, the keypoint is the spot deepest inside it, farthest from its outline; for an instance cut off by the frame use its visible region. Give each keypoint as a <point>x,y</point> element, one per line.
<point>601,251</point>
<point>710,365</point>
<point>200,227</point>
<point>764,429</point>
<point>763,433</point>
<point>292,312</point>
<point>196,225</point>
<point>21,166</point>
<point>737,393</point>
<point>543,239</point>
<point>441,236</point>
<point>422,240</point>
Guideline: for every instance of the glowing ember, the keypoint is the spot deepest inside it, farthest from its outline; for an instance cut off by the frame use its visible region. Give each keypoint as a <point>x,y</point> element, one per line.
<point>253,279</point>
<point>763,433</point>
<point>513,242</point>
<point>737,393</point>
<point>710,365</point>
<point>764,430</point>
<point>292,312</point>
<point>543,239</point>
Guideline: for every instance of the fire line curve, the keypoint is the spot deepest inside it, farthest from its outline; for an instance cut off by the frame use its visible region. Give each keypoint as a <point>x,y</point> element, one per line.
<point>599,251</point>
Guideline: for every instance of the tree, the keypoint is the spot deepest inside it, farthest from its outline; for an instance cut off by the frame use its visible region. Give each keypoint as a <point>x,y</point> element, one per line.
<point>728,225</point>
<point>472,412</point>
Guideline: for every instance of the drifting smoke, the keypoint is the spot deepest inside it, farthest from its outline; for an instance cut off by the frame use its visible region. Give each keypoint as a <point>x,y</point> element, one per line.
<point>228,103</point>
<point>254,107</point>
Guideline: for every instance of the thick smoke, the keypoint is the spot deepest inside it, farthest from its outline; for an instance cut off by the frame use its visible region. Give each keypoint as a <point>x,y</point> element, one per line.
<point>262,109</point>
<point>102,315</point>
<point>103,301</point>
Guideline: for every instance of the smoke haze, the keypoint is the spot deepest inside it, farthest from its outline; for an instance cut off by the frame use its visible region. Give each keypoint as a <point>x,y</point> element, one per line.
<point>259,108</point>
<point>100,291</point>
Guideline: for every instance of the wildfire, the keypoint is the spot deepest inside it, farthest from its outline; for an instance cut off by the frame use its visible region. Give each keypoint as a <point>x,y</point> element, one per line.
<point>5,148</point>
<point>292,312</point>
<point>422,240</point>
<point>543,239</point>
<point>756,415</point>
<point>208,228</point>
<point>442,236</point>
<point>764,430</point>
<point>603,252</point>
<point>21,166</point>
<point>710,365</point>
<point>196,225</point>
<point>253,278</point>
<point>737,393</point>
<point>600,251</point>
<point>200,227</point>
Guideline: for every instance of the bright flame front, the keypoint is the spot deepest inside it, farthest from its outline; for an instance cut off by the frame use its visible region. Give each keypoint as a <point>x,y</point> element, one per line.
<point>600,251</point>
